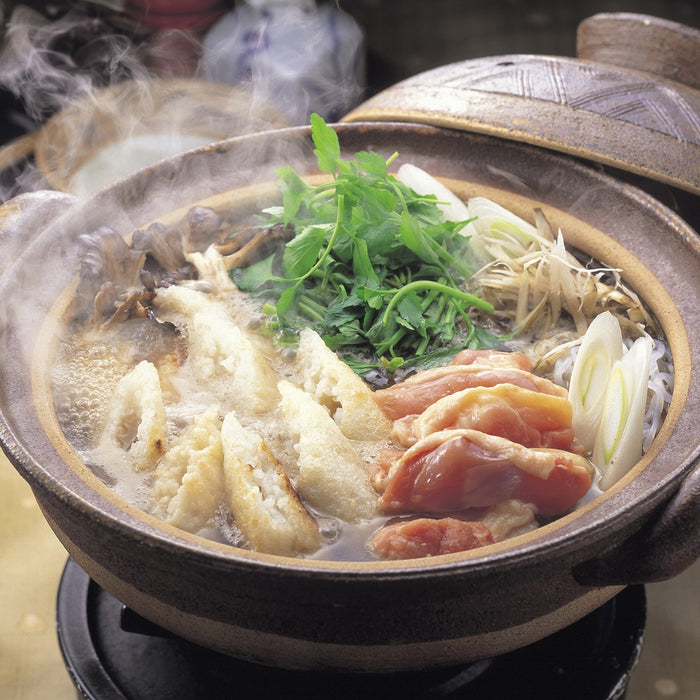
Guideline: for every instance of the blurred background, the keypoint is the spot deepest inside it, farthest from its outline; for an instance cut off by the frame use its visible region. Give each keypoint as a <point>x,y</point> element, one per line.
<point>294,56</point>
<point>298,55</point>
<point>399,37</point>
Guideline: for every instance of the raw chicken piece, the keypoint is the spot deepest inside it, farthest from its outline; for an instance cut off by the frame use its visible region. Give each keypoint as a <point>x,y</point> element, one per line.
<point>415,394</point>
<point>449,471</point>
<point>428,537</point>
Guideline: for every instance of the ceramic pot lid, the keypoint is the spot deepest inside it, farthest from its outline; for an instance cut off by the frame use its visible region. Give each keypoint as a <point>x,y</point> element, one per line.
<point>640,114</point>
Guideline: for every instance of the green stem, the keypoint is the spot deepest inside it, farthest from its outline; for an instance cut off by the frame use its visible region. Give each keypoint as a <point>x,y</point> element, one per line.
<point>399,194</point>
<point>429,284</point>
<point>392,158</point>
<point>391,343</point>
<point>310,308</point>
<point>451,260</point>
<point>326,252</point>
<point>321,192</point>
<point>472,329</point>
<point>430,297</point>
<point>422,346</point>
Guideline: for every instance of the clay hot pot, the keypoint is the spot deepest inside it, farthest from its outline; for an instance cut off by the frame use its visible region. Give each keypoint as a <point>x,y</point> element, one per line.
<point>484,133</point>
<point>371,616</point>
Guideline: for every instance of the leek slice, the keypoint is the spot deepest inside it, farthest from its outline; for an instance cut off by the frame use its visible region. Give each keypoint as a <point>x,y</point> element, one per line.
<point>600,349</point>
<point>423,183</point>
<point>498,234</point>
<point>618,445</point>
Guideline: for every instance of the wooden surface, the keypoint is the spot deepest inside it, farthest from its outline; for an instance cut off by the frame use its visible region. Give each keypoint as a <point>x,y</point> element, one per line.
<point>31,562</point>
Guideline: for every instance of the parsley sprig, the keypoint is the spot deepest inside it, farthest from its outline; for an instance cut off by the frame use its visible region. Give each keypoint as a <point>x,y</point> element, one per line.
<point>372,267</point>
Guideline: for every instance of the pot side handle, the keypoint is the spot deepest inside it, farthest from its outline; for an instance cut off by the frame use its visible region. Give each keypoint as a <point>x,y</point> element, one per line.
<point>666,545</point>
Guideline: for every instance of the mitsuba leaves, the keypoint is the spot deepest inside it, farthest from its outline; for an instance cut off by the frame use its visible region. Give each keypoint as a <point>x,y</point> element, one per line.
<point>302,252</point>
<point>284,303</point>
<point>342,311</point>
<point>362,267</point>
<point>373,267</point>
<point>372,164</point>
<point>372,298</point>
<point>411,313</point>
<point>254,276</point>
<point>416,240</point>
<point>293,189</point>
<point>327,149</point>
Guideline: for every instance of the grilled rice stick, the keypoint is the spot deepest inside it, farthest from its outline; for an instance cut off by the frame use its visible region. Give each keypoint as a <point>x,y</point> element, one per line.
<point>264,505</point>
<point>219,350</point>
<point>188,483</point>
<point>136,419</point>
<point>334,385</point>
<point>329,475</point>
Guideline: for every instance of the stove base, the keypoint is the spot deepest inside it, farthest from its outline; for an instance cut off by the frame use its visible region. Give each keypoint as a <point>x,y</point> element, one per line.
<point>113,654</point>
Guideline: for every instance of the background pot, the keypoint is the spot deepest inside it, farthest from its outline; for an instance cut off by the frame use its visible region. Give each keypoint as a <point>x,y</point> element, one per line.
<point>112,132</point>
<point>362,616</point>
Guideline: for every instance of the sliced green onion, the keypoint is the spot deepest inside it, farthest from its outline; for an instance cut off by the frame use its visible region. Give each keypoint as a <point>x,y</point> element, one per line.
<point>618,445</point>
<point>495,233</point>
<point>600,349</point>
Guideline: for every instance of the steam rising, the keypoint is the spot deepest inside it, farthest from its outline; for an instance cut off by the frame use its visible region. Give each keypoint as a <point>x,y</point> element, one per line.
<point>57,66</point>
<point>51,64</point>
<point>298,56</point>
<point>54,65</point>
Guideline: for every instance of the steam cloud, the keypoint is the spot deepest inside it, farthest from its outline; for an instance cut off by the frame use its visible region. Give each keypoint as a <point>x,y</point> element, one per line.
<point>53,64</point>
<point>49,64</point>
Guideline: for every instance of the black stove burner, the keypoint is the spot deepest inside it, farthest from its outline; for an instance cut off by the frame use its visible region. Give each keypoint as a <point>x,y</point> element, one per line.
<point>590,660</point>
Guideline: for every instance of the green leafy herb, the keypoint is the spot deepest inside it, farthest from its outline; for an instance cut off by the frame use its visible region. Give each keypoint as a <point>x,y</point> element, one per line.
<point>373,268</point>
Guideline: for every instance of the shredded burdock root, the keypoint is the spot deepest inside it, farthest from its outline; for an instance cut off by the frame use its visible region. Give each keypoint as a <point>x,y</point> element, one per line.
<point>531,280</point>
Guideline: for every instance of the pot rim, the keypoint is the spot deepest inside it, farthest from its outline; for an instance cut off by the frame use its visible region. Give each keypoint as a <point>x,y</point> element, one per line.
<point>549,541</point>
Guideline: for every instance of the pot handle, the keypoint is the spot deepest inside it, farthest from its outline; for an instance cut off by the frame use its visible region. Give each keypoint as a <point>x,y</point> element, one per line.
<point>667,544</point>
<point>642,43</point>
